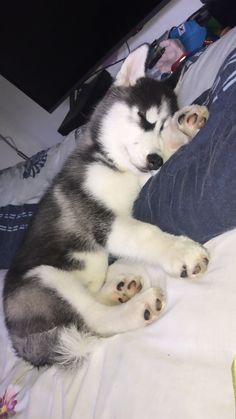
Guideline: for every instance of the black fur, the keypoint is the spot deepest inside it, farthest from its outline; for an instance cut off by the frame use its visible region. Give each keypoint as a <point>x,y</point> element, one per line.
<point>35,315</point>
<point>41,309</point>
<point>148,92</point>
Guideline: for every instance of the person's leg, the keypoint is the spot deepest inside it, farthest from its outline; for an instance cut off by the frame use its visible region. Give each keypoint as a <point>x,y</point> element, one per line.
<point>194,194</point>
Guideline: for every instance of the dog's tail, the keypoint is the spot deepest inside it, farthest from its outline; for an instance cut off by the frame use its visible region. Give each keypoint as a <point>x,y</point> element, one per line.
<point>66,347</point>
<point>73,347</point>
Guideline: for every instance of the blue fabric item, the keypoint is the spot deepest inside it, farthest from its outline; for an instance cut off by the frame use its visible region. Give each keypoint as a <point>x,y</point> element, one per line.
<point>14,221</point>
<point>35,164</point>
<point>195,191</point>
<point>191,34</point>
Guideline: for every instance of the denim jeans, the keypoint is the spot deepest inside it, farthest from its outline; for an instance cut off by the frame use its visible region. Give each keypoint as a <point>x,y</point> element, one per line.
<point>194,193</point>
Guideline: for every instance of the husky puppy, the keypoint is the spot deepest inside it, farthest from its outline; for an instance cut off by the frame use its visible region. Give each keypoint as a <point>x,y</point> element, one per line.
<point>54,300</point>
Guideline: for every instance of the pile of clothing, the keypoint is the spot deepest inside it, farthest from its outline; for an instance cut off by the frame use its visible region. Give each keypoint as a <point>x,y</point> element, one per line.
<point>184,41</point>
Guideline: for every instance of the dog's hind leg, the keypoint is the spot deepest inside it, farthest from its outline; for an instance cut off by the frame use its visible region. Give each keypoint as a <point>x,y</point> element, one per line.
<point>94,269</point>
<point>102,319</point>
<point>124,280</point>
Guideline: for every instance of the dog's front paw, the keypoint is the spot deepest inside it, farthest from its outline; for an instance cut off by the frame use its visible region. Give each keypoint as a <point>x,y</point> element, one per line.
<point>185,258</point>
<point>147,306</point>
<point>192,118</point>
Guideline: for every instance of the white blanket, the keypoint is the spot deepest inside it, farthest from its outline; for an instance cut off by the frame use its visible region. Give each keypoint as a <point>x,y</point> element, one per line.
<point>176,368</point>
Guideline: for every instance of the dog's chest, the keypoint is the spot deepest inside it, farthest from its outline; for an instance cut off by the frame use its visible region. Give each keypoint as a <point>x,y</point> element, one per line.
<point>116,190</point>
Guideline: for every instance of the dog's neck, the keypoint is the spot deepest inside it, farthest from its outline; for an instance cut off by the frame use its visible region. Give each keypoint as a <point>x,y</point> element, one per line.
<point>102,157</point>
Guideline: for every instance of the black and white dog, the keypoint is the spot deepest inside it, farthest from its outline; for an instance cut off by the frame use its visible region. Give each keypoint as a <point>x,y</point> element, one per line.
<point>56,298</point>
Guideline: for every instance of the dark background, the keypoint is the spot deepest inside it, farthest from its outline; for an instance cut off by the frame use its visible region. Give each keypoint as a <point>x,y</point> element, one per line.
<point>47,47</point>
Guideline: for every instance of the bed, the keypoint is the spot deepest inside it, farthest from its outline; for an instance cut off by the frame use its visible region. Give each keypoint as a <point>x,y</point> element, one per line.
<point>179,367</point>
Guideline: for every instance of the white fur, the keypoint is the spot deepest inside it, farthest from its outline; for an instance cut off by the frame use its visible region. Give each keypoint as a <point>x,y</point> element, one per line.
<point>125,141</point>
<point>114,189</point>
<point>93,275</point>
<point>126,271</point>
<point>103,319</point>
<point>74,347</point>
<point>149,244</point>
<point>133,67</point>
<point>127,145</point>
<point>152,114</point>
<point>175,134</point>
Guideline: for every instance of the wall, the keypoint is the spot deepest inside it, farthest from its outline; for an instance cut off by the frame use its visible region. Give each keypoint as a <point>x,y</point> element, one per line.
<point>32,128</point>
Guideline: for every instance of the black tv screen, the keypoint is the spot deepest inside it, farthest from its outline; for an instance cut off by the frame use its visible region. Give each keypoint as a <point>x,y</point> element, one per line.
<point>48,48</point>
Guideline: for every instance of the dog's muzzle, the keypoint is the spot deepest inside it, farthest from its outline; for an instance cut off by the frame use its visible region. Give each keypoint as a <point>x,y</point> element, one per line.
<point>154,161</point>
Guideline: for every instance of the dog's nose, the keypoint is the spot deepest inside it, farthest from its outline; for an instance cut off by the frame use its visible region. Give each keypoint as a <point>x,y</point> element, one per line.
<point>154,161</point>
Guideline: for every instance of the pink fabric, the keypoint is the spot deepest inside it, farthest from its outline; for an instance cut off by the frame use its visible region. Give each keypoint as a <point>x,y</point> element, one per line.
<point>174,49</point>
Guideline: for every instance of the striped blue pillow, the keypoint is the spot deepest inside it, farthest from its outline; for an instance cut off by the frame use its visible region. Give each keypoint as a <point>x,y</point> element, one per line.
<point>14,221</point>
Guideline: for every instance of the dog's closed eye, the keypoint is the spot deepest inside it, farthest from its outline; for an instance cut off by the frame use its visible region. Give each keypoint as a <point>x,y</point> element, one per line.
<point>162,125</point>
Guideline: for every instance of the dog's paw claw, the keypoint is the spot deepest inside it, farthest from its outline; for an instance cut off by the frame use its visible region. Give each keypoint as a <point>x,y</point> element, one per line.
<point>147,314</point>
<point>184,273</point>
<point>158,304</point>
<point>120,285</point>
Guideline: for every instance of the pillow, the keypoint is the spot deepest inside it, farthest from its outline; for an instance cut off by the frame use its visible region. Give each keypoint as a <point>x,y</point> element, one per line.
<point>21,187</point>
<point>27,181</point>
<point>14,221</point>
<point>195,191</point>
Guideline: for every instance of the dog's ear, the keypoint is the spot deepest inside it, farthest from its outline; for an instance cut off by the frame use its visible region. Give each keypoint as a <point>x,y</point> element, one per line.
<point>133,67</point>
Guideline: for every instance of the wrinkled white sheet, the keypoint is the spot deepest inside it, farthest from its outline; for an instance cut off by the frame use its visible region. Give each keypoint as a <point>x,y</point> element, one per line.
<point>177,368</point>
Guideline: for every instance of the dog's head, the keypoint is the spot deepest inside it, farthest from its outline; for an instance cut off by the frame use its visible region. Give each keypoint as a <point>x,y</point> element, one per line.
<point>129,120</point>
